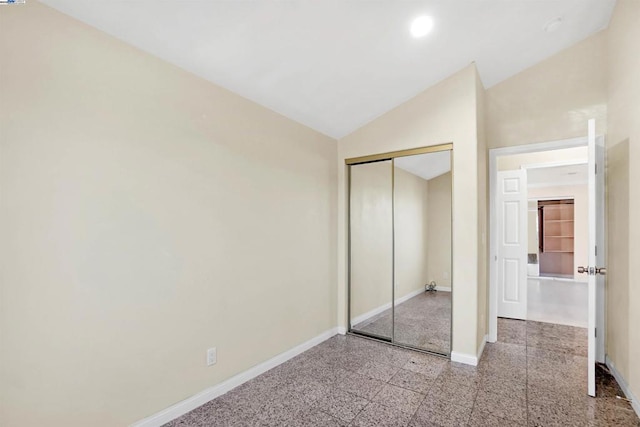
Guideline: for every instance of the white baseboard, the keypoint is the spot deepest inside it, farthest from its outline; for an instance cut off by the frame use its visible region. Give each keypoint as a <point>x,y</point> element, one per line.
<point>387,306</point>
<point>443,288</point>
<point>369,314</point>
<point>211,393</point>
<point>623,385</point>
<point>467,359</point>
<point>409,296</point>
<point>341,330</point>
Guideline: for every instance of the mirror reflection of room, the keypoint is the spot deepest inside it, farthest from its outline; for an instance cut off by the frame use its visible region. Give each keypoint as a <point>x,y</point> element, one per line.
<point>400,230</point>
<point>371,241</point>
<point>422,201</point>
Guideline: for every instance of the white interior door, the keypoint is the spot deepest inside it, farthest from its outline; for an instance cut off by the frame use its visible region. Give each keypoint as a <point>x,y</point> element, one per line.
<point>512,244</point>
<point>595,270</point>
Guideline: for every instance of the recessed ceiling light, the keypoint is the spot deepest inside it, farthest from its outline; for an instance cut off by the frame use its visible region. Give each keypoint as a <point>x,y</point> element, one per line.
<point>421,26</point>
<point>553,25</point>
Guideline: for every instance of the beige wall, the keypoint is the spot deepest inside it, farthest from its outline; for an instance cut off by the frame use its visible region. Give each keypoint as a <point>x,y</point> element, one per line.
<point>443,113</point>
<point>623,176</point>
<point>371,237</point>
<point>483,214</point>
<point>618,284</point>
<point>439,226</point>
<point>580,212</point>
<point>145,215</point>
<point>515,161</point>
<point>551,100</point>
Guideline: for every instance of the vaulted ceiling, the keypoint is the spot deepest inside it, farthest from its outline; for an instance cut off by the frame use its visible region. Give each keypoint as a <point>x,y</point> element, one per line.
<point>335,65</point>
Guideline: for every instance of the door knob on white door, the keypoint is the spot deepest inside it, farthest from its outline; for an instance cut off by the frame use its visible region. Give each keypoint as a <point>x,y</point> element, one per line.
<point>592,271</point>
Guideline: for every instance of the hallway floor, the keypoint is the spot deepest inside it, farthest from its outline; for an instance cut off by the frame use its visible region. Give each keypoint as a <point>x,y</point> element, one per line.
<point>561,301</point>
<point>535,375</point>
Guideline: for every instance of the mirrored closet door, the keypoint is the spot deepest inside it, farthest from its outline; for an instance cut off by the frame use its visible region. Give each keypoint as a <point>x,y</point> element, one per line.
<point>400,283</point>
<point>371,242</point>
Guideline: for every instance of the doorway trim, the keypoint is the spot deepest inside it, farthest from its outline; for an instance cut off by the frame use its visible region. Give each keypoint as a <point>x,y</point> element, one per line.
<point>494,153</point>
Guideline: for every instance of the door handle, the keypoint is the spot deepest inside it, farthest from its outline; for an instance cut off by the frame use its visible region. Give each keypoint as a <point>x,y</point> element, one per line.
<point>592,271</point>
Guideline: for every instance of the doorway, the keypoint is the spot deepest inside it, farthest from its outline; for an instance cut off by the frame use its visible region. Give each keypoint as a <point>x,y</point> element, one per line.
<point>509,207</point>
<point>554,186</point>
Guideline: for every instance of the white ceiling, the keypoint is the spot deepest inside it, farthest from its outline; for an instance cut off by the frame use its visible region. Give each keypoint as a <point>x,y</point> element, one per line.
<point>335,65</point>
<point>558,175</point>
<point>426,166</point>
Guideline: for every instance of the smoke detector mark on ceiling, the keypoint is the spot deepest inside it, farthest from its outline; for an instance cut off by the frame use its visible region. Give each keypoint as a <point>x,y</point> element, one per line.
<point>553,25</point>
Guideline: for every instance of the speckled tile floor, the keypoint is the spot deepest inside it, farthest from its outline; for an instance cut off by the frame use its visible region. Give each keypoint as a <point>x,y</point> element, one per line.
<point>423,321</point>
<point>535,375</point>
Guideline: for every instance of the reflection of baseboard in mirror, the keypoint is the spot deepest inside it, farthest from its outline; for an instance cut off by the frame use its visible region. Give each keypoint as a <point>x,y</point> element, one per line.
<point>419,321</point>
<point>399,240</point>
<point>368,315</point>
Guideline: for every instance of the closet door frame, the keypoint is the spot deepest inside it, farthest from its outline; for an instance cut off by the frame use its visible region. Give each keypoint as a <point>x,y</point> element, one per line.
<point>350,329</point>
<point>354,161</point>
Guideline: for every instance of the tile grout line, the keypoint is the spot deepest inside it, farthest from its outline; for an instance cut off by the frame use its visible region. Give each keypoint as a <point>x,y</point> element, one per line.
<point>370,401</point>
<point>473,406</point>
<point>424,397</point>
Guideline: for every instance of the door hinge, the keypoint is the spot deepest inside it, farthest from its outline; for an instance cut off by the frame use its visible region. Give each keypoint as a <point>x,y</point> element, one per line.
<point>595,332</point>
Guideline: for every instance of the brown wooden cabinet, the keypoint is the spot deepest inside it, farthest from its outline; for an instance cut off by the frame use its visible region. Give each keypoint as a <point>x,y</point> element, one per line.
<point>556,219</point>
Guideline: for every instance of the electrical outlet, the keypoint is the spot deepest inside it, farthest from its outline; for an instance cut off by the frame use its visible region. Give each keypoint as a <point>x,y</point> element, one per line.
<point>212,356</point>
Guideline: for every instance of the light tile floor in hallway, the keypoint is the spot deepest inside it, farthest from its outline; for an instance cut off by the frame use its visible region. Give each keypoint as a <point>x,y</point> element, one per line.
<point>560,301</point>
<point>535,375</point>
